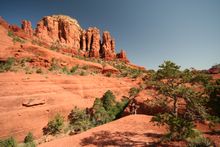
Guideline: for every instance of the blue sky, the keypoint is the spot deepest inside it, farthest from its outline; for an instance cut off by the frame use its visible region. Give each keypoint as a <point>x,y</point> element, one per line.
<point>186,32</point>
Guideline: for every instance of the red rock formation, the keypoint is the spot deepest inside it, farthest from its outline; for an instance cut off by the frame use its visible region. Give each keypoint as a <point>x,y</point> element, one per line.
<point>93,42</point>
<point>71,38</point>
<point>61,29</point>
<point>83,41</point>
<point>108,46</point>
<point>122,56</point>
<point>26,26</point>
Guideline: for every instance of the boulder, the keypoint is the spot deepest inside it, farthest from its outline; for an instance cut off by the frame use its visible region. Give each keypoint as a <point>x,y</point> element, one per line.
<point>33,102</point>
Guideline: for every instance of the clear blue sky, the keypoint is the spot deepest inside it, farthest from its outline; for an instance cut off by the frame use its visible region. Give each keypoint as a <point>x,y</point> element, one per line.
<point>186,32</point>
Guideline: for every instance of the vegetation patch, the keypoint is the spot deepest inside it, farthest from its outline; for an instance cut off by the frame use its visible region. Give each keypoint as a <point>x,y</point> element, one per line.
<point>9,142</point>
<point>15,38</point>
<point>7,65</point>
<point>171,84</point>
<point>54,126</point>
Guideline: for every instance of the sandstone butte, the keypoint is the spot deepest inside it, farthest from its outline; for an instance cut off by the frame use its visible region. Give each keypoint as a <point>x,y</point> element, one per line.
<point>67,33</point>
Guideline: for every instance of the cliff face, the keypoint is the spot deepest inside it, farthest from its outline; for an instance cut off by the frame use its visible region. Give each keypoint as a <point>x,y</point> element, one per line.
<point>67,33</point>
<point>59,29</point>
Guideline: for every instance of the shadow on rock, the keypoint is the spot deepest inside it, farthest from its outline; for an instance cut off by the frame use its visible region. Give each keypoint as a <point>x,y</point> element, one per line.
<point>105,138</point>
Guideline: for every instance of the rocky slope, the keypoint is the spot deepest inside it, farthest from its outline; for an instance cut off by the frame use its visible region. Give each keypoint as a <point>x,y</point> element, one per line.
<point>133,130</point>
<point>27,102</point>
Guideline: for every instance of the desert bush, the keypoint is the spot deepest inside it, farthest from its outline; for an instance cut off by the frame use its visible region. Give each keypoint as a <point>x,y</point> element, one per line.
<point>7,65</point>
<point>82,73</point>
<point>80,120</point>
<point>85,67</point>
<point>24,60</point>
<point>28,70</point>
<point>126,70</point>
<point>186,76</point>
<point>9,142</point>
<point>214,97</point>
<point>55,125</point>
<point>133,92</point>
<point>39,71</point>
<point>18,39</point>
<point>201,78</point>
<point>29,138</point>
<point>29,144</point>
<point>200,142</point>
<point>54,65</point>
<point>178,127</point>
<point>14,37</point>
<point>100,115</point>
<point>107,109</point>
<point>74,69</point>
<point>11,34</point>
<point>180,124</point>
<point>36,42</point>
<point>65,70</point>
<point>157,105</point>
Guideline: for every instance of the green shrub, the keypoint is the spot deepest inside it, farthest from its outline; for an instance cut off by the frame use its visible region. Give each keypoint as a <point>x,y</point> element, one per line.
<point>54,65</point>
<point>108,100</point>
<point>80,120</point>
<point>65,70</point>
<point>107,109</point>
<point>55,125</point>
<point>14,37</point>
<point>36,42</point>
<point>179,128</point>
<point>201,78</point>
<point>82,73</point>
<point>133,92</point>
<point>24,60</point>
<point>29,138</point>
<point>11,34</point>
<point>214,98</point>
<point>39,70</point>
<point>29,144</point>
<point>7,65</point>
<point>74,69</point>
<point>201,142</point>
<point>28,70</point>
<point>10,142</point>
<point>85,67</point>
<point>18,39</point>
